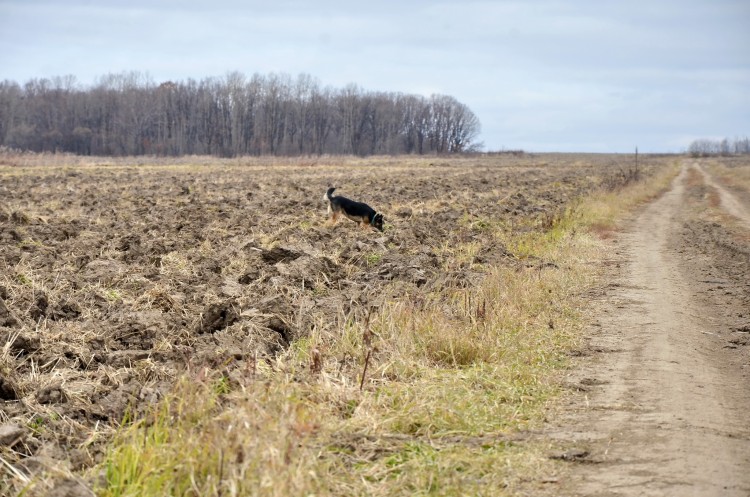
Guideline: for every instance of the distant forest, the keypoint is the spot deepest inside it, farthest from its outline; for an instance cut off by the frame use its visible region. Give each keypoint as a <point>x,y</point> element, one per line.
<point>705,147</point>
<point>129,114</point>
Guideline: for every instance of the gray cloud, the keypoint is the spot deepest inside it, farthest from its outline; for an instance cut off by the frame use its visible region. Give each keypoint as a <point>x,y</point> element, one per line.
<point>540,75</point>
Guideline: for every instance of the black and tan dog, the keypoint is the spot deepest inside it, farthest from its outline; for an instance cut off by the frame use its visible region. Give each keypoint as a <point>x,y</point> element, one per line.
<point>356,211</point>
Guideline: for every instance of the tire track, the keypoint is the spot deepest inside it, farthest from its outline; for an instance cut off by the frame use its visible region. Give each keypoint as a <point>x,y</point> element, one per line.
<point>728,201</point>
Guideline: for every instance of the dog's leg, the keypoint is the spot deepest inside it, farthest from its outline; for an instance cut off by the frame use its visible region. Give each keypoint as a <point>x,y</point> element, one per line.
<point>332,216</point>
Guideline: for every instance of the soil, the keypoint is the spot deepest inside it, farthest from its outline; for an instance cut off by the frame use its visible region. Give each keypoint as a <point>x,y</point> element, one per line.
<point>116,279</point>
<point>664,381</point>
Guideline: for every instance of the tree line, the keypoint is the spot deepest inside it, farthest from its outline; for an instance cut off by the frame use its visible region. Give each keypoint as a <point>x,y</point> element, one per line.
<point>705,147</point>
<point>129,114</point>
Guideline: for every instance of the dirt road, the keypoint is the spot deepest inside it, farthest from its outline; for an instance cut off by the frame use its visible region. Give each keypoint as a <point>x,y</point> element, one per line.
<point>664,407</point>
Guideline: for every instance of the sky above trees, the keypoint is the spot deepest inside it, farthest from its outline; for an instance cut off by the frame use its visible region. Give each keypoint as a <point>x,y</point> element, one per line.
<point>540,75</point>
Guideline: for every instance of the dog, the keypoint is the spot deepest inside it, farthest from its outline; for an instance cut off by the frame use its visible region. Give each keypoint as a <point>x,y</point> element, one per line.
<point>358,212</point>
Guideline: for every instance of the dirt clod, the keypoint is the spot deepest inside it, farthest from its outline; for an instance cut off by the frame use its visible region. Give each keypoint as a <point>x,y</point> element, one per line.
<point>218,316</point>
<point>20,343</point>
<point>11,434</point>
<point>8,389</point>
<point>70,488</point>
<point>53,394</point>
<point>573,455</point>
<point>6,317</point>
<point>279,254</point>
<point>279,326</point>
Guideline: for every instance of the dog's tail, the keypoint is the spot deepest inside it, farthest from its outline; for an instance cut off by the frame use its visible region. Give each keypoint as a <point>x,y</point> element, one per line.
<point>330,191</point>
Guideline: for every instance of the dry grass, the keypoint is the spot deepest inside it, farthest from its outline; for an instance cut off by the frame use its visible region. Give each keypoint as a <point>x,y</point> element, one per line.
<point>733,172</point>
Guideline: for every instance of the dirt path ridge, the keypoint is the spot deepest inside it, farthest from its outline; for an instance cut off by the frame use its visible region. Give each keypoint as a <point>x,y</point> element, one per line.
<point>728,201</point>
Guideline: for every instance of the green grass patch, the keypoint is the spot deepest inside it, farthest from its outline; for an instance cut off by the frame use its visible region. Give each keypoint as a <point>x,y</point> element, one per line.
<point>373,258</point>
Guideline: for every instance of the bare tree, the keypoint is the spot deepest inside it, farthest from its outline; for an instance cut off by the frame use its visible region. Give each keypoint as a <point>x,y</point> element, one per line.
<point>129,114</point>
<point>704,147</point>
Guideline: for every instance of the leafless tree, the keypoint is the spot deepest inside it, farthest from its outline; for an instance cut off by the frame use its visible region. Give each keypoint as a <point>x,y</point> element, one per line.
<point>704,147</point>
<point>130,114</point>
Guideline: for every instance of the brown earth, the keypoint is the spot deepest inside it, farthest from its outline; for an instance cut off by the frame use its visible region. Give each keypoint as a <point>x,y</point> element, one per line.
<point>117,277</point>
<point>664,382</point>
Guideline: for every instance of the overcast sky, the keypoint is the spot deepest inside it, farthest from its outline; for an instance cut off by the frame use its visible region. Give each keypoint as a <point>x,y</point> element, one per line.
<point>592,75</point>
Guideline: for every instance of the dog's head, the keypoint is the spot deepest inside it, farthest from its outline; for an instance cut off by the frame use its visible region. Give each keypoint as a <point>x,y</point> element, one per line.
<point>377,221</point>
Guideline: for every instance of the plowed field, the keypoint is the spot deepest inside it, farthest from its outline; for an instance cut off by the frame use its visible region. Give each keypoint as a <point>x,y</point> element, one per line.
<point>116,276</point>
